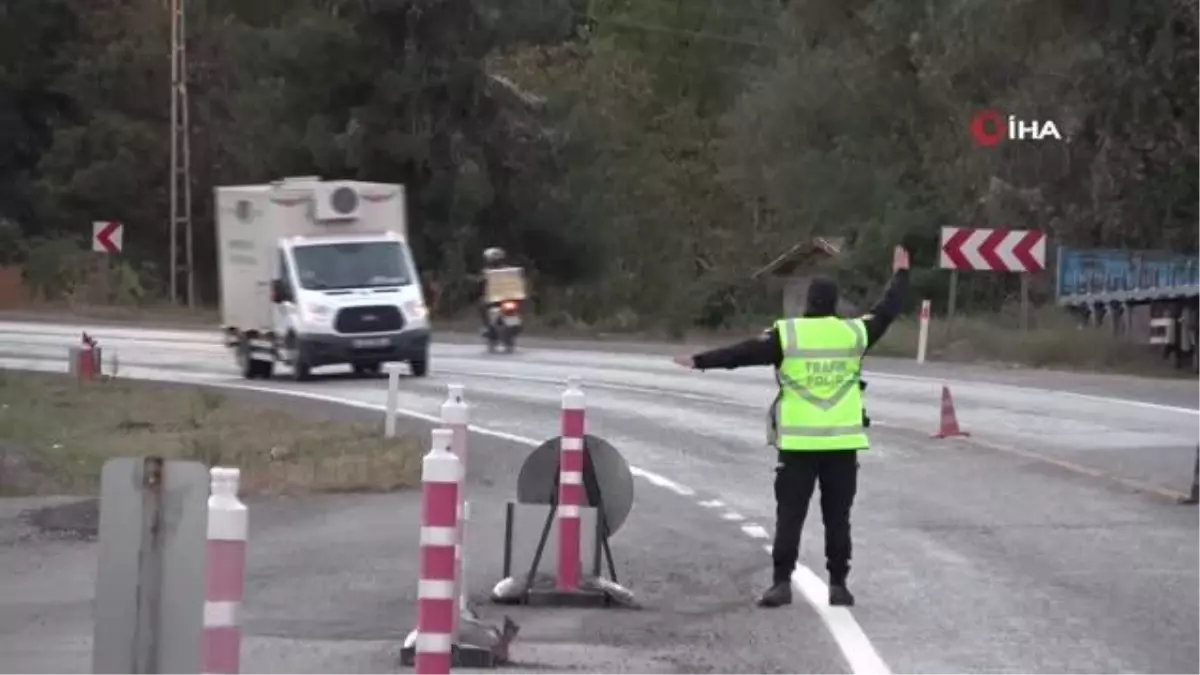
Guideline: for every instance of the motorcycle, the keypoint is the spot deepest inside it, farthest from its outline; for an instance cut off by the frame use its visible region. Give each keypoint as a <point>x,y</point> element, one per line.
<point>505,295</point>
<point>503,325</point>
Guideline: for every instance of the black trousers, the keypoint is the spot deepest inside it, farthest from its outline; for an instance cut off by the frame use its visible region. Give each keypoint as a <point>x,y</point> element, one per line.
<point>836,471</point>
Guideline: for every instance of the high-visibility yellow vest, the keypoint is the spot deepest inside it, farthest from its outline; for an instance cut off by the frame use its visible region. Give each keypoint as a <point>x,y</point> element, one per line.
<point>820,402</point>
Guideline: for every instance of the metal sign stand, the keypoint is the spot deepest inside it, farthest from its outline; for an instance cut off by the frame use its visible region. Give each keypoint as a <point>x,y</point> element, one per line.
<point>607,492</point>
<point>583,597</point>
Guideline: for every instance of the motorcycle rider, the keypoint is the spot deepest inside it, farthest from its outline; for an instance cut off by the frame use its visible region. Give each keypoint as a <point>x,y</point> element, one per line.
<point>494,257</point>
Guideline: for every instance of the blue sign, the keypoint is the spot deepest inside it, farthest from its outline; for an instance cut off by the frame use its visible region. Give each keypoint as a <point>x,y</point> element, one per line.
<point>1112,274</point>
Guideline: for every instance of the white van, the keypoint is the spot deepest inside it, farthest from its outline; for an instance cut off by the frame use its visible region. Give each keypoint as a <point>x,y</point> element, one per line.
<point>317,273</point>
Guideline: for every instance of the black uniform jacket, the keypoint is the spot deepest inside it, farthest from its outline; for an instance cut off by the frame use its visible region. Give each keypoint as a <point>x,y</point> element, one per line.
<point>765,349</point>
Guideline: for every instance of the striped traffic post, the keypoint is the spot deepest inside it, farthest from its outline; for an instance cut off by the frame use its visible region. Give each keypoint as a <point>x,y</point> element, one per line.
<point>393,394</point>
<point>441,476</point>
<point>570,486</point>
<point>923,334</point>
<point>225,573</point>
<point>454,417</point>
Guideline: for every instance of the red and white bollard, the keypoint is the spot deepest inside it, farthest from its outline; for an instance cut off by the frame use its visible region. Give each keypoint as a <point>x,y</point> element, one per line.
<point>923,334</point>
<point>455,418</point>
<point>225,573</point>
<point>441,475</point>
<point>84,360</point>
<point>570,486</point>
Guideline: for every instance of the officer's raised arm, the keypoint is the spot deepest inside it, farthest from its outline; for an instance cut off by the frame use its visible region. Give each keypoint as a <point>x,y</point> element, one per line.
<point>885,311</point>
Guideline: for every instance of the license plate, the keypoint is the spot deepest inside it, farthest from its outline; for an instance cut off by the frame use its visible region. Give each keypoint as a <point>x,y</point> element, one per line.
<point>512,320</point>
<point>364,343</point>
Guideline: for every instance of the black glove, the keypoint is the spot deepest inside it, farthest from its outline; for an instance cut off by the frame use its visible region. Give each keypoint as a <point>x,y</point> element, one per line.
<point>862,386</point>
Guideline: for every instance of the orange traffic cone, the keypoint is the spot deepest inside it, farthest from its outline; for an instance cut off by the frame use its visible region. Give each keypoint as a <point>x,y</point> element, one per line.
<point>949,423</point>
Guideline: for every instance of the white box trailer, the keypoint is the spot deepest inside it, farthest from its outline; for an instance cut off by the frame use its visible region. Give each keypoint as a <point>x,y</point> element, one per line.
<point>316,273</point>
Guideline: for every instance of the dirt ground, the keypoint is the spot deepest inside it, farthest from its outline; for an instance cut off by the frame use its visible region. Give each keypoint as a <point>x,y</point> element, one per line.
<point>56,433</point>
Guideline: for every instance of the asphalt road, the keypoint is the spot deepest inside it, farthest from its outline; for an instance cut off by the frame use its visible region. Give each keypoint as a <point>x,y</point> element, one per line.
<point>331,583</point>
<point>1046,542</point>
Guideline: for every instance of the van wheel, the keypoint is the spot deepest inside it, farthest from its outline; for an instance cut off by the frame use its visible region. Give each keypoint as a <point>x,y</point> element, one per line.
<point>244,362</point>
<point>419,367</point>
<point>253,368</point>
<point>301,371</point>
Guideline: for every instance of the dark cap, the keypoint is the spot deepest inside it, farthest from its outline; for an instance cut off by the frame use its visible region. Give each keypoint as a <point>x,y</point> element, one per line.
<point>822,297</point>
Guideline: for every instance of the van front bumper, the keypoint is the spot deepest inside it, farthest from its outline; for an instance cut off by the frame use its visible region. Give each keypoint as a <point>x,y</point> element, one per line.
<point>327,350</point>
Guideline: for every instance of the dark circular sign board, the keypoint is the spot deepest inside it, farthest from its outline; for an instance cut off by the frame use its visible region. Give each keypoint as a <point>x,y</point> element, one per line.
<point>536,482</point>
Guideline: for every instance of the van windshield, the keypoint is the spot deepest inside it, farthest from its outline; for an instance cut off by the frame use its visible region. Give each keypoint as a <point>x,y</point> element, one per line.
<point>352,265</point>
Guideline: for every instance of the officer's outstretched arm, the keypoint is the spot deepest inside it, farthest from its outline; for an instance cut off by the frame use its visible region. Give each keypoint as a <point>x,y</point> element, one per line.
<point>763,350</point>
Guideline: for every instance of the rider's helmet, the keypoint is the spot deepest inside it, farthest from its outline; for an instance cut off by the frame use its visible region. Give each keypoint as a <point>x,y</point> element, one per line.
<point>493,255</point>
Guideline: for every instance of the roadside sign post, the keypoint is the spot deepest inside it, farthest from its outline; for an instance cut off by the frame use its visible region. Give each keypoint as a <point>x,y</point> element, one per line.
<point>1024,302</point>
<point>995,250</point>
<point>923,334</point>
<point>150,581</point>
<point>107,238</point>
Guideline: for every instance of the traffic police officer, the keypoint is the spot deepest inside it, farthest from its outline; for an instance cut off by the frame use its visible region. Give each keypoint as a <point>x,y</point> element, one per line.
<point>817,419</point>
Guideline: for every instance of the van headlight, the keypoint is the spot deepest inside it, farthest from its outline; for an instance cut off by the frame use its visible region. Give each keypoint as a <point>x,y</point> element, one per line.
<point>416,309</point>
<point>317,313</point>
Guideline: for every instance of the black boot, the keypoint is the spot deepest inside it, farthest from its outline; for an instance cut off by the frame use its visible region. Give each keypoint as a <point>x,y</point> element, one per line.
<point>840,596</point>
<point>778,595</point>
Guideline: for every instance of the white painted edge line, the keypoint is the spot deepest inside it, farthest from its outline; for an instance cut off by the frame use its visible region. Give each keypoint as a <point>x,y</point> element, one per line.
<point>655,479</point>
<point>856,647</point>
<point>756,531</point>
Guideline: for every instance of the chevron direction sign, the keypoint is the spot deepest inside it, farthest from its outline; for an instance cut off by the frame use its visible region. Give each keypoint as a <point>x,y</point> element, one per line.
<point>106,236</point>
<point>995,250</point>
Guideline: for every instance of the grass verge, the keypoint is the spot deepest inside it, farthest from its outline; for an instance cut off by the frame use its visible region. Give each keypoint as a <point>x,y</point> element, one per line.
<point>158,314</point>
<point>1051,342</point>
<point>56,433</point>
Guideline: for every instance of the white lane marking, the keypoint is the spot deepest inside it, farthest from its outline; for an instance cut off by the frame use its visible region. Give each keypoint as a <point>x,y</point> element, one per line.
<point>681,490</point>
<point>712,504</point>
<point>756,531</point>
<point>855,645</point>
<point>674,393</point>
<point>732,516</point>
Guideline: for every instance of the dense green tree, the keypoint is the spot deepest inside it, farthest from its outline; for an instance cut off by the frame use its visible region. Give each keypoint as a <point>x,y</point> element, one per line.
<point>32,35</point>
<point>642,157</point>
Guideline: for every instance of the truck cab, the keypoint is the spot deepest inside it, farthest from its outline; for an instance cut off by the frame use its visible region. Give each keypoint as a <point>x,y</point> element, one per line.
<point>350,300</point>
<point>313,277</point>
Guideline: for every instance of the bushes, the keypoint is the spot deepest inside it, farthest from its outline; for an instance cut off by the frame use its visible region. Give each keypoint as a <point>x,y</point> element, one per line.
<point>59,269</point>
<point>1053,340</point>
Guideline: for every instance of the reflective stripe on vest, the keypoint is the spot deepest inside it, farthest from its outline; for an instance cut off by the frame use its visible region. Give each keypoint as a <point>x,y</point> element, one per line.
<point>825,416</point>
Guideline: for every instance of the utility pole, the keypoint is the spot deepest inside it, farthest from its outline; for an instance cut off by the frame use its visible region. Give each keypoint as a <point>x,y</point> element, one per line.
<point>181,159</point>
